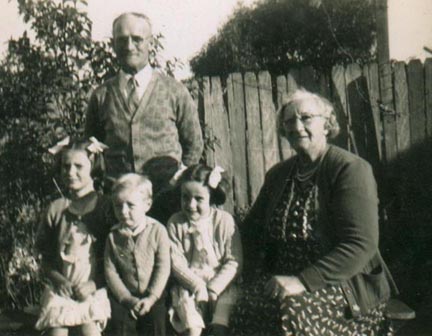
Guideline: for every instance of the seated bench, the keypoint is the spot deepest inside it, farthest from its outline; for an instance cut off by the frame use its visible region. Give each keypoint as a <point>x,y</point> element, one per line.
<point>399,313</point>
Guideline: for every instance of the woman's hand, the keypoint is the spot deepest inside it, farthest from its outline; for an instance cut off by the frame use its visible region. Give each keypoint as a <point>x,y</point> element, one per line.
<point>280,286</point>
<point>84,290</point>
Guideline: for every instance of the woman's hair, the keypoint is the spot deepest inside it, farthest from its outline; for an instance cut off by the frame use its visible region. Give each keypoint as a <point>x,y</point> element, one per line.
<point>201,173</point>
<point>96,158</point>
<point>325,108</point>
<point>133,182</point>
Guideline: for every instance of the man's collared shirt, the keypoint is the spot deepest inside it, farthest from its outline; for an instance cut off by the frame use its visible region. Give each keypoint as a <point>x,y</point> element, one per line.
<point>142,79</point>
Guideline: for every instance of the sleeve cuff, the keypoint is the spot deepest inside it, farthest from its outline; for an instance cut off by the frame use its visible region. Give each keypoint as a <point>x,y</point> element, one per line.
<point>311,279</point>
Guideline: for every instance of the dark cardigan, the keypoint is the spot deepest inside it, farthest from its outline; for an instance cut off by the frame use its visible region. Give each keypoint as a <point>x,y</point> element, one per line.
<point>347,226</point>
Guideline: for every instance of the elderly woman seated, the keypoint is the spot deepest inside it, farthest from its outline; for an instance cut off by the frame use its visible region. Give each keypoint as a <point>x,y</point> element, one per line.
<point>315,224</point>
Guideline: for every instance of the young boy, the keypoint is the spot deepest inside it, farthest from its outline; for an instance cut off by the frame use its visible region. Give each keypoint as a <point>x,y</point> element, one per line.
<point>137,260</point>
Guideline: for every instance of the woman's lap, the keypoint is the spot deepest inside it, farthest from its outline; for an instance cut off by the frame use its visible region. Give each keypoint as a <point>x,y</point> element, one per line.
<point>321,313</point>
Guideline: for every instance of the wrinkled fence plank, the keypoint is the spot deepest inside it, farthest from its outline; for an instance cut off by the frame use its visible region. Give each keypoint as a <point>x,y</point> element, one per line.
<point>340,105</point>
<point>355,108</point>
<point>428,95</point>
<point>282,91</point>
<point>209,135</point>
<point>416,92</point>
<point>254,139</point>
<point>402,107</point>
<point>268,121</point>
<point>387,111</point>
<point>222,150</point>
<point>236,107</point>
<point>371,73</point>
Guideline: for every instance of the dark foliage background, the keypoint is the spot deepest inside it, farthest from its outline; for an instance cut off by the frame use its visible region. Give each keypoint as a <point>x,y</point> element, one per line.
<point>276,35</point>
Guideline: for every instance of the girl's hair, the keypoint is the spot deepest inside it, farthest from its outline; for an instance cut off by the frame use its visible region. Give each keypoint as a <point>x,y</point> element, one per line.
<point>325,109</point>
<point>135,182</point>
<point>96,158</point>
<point>201,173</point>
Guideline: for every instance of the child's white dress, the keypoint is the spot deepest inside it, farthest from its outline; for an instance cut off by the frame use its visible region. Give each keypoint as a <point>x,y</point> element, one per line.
<point>78,266</point>
<point>185,313</point>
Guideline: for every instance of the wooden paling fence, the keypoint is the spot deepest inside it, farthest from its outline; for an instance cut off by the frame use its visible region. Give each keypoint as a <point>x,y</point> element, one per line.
<point>239,113</point>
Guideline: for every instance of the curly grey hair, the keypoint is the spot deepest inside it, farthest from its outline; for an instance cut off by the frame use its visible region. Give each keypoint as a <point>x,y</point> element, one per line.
<point>325,107</point>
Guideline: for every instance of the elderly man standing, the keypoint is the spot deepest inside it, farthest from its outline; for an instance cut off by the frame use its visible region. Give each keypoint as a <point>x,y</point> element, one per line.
<point>141,113</point>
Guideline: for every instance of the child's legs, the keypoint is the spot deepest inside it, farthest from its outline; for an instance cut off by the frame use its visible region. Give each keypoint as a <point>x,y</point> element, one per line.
<point>58,331</point>
<point>153,323</point>
<point>193,332</point>
<point>89,329</point>
<point>222,313</point>
<point>121,323</point>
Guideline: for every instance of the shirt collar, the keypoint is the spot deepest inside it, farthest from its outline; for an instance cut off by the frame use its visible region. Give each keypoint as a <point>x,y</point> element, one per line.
<point>142,77</point>
<point>131,232</point>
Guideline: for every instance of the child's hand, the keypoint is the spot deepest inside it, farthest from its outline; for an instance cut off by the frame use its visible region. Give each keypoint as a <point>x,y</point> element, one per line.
<point>84,290</point>
<point>64,288</point>
<point>212,296</point>
<point>143,306</point>
<point>201,295</point>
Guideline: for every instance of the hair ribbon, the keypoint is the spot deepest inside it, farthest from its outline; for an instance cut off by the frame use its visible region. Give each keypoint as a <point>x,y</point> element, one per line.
<point>59,146</point>
<point>215,177</point>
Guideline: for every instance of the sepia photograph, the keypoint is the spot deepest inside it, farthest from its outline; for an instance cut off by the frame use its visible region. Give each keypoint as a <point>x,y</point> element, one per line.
<point>216,167</point>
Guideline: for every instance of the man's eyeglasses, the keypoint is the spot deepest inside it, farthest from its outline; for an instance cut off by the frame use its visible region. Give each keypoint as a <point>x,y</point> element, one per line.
<point>136,39</point>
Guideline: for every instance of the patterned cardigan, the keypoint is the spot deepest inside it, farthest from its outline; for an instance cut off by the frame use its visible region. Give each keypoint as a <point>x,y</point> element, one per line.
<point>165,123</point>
<point>137,266</point>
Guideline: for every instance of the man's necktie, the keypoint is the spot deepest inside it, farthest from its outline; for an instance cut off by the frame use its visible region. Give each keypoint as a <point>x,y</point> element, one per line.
<point>133,97</point>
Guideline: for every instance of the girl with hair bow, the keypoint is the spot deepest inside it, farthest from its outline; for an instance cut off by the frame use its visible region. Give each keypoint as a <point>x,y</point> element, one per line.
<point>71,240</point>
<point>206,254</point>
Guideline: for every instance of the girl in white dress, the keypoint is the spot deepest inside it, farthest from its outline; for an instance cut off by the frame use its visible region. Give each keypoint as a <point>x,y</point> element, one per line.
<point>206,255</point>
<point>71,239</point>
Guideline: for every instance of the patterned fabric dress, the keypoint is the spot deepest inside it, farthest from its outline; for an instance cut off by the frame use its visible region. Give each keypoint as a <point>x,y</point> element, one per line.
<point>79,265</point>
<point>320,313</point>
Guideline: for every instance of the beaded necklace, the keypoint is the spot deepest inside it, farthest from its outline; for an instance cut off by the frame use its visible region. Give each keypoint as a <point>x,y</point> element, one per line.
<point>297,213</point>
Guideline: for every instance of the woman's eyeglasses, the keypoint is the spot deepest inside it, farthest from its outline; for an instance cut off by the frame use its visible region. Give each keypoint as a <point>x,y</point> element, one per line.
<point>305,119</point>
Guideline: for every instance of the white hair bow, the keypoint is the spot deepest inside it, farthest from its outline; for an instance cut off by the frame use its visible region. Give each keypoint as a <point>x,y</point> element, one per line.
<point>215,177</point>
<point>59,146</point>
<point>96,146</point>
